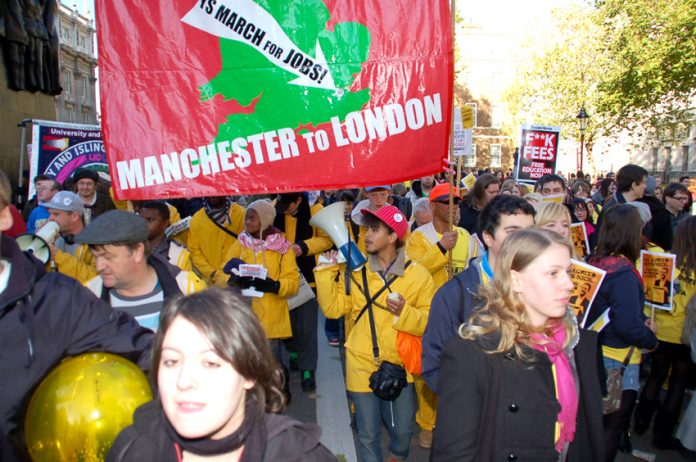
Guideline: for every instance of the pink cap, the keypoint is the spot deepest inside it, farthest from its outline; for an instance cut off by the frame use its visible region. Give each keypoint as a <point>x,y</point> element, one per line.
<point>392,217</point>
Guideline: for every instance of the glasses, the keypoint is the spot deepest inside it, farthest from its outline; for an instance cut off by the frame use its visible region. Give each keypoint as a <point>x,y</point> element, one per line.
<point>680,198</point>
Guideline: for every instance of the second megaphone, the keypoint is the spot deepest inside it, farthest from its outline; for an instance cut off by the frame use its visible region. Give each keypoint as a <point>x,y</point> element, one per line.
<point>38,244</point>
<point>331,220</point>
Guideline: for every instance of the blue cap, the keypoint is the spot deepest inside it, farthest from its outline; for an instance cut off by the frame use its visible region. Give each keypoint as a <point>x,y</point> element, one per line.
<point>374,188</point>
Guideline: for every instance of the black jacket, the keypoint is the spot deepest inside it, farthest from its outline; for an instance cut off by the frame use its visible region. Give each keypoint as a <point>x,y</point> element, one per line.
<point>288,439</point>
<point>45,317</point>
<point>527,408</point>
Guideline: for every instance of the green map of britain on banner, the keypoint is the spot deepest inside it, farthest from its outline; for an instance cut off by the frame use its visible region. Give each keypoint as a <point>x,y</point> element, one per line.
<point>313,68</point>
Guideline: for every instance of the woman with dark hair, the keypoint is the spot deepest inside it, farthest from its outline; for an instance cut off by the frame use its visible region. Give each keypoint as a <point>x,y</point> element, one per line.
<point>671,356</point>
<point>607,188</point>
<point>218,389</point>
<point>582,214</point>
<point>520,380</point>
<point>622,293</point>
<point>486,187</point>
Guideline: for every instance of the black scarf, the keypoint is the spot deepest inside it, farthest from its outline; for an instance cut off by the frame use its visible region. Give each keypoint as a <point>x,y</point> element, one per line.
<point>251,434</point>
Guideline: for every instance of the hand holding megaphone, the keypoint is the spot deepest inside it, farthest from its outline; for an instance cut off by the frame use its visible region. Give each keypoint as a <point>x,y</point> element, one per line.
<point>331,219</point>
<point>39,244</point>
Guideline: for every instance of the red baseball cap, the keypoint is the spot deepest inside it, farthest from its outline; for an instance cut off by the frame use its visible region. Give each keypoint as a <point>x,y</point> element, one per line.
<point>392,217</point>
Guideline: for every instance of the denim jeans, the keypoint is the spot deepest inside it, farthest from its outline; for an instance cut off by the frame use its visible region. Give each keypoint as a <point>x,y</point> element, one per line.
<point>398,416</point>
<point>630,380</point>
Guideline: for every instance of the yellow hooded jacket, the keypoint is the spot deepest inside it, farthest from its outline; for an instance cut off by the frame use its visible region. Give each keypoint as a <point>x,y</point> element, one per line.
<point>272,309</point>
<point>208,244</point>
<point>414,284</point>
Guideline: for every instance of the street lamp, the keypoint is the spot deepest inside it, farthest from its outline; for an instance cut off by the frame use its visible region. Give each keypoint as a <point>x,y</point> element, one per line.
<point>582,118</point>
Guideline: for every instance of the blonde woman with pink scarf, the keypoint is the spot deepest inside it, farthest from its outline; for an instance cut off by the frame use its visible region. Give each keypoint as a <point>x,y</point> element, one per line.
<point>520,381</point>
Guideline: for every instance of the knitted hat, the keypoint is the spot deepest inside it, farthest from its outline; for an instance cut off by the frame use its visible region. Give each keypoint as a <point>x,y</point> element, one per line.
<point>392,217</point>
<point>85,173</point>
<point>643,210</point>
<point>265,210</point>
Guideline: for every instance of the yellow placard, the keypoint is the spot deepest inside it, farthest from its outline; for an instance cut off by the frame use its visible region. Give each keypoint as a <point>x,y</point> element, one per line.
<point>469,181</point>
<point>467,117</point>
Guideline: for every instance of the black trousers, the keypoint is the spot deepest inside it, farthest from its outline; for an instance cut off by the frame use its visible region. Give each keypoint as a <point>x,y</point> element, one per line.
<point>667,356</point>
<point>304,321</point>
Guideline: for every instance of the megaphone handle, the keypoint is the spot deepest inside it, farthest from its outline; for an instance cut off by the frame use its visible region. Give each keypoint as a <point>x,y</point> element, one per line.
<point>348,268</point>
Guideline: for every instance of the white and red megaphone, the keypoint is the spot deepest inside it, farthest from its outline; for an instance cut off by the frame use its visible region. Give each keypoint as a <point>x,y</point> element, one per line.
<point>331,220</point>
<point>38,244</point>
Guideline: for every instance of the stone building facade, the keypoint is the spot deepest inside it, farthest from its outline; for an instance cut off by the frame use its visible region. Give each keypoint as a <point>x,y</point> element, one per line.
<point>78,63</point>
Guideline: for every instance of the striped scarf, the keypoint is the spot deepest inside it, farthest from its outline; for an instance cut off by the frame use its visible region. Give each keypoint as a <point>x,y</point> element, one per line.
<point>220,216</point>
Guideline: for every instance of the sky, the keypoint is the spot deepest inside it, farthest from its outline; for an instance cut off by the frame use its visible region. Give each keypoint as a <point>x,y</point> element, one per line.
<point>83,6</point>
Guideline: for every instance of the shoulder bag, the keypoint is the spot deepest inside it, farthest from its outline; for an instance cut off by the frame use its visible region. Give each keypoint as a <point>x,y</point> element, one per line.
<point>612,402</point>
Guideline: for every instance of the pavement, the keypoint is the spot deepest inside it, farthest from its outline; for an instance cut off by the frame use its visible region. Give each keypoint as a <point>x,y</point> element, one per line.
<point>328,407</point>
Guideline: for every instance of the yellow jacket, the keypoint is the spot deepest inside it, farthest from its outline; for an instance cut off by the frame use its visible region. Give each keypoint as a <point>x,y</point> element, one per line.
<point>422,248</point>
<point>415,285</point>
<point>209,244</point>
<point>671,323</point>
<point>272,309</point>
<point>80,266</point>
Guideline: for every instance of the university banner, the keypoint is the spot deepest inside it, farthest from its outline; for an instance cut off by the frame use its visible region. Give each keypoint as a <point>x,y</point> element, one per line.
<point>211,97</point>
<point>658,271</point>
<point>58,149</point>
<point>538,152</point>
<point>587,280</point>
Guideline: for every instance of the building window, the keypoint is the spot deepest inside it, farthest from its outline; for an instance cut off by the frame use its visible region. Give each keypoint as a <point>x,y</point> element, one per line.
<point>64,33</point>
<point>496,154</point>
<point>70,110</point>
<point>85,87</point>
<point>691,159</point>
<point>497,116</point>
<point>81,41</point>
<point>67,81</point>
<point>470,161</point>
<point>685,158</point>
<point>475,106</point>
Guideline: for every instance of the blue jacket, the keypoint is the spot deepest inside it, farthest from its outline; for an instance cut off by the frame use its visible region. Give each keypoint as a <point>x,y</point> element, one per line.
<point>452,305</point>
<point>622,290</point>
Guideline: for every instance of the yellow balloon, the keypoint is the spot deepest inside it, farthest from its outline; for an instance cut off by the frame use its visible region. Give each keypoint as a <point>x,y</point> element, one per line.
<point>82,405</point>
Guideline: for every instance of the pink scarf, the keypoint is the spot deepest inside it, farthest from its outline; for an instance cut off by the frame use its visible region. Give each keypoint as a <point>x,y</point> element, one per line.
<point>275,242</point>
<point>565,383</point>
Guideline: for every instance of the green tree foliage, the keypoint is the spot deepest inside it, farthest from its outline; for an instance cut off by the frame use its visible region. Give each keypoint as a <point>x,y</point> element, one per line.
<point>650,78</point>
<point>560,76</point>
<point>632,63</point>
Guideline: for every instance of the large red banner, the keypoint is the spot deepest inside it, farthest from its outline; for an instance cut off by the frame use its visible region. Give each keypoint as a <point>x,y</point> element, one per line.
<point>210,97</point>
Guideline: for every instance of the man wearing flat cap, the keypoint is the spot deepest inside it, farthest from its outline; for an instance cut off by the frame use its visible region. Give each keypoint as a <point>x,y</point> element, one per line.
<point>130,278</point>
<point>86,181</point>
